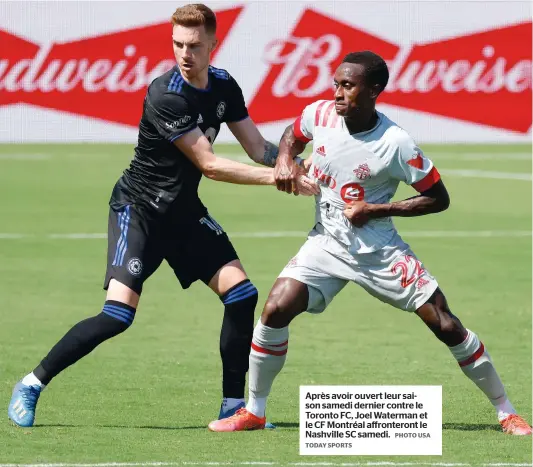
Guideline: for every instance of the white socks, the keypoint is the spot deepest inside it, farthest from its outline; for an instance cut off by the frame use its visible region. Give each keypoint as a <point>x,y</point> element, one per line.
<point>31,380</point>
<point>267,357</point>
<point>476,363</point>
<point>269,350</point>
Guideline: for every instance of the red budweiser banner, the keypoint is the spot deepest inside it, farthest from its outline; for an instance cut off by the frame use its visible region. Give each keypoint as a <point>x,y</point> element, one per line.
<point>481,77</point>
<point>104,76</point>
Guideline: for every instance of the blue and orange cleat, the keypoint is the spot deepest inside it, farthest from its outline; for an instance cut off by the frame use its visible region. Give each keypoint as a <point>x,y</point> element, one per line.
<point>228,413</point>
<point>21,408</point>
<point>242,420</point>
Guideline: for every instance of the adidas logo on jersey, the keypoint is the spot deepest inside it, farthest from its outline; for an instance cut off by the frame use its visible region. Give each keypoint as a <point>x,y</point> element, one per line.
<point>321,151</point>
<point>200,119</point>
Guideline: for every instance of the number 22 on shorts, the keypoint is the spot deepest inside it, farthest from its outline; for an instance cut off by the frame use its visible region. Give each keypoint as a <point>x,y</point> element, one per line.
<point>404,265</point>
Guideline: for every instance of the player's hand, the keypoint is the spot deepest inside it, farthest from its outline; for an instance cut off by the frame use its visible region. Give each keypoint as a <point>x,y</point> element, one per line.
<point>357,213</point>
<point>306,186</point>
<point>286,174</point>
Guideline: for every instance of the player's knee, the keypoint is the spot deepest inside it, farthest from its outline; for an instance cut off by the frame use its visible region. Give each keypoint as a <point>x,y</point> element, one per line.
<point>278,311</point>
<point>281,308</point>
<point>273,310</point>
<point>438,317</point>
<point>446,323</point>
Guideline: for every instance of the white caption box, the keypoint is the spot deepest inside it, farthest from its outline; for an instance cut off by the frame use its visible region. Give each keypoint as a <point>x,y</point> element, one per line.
<point>370,420</point>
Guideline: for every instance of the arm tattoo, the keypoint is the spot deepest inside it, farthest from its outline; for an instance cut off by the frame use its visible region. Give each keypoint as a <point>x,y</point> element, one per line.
<point>270,155</point>
<point>271,151</point>
<point>288,137</point>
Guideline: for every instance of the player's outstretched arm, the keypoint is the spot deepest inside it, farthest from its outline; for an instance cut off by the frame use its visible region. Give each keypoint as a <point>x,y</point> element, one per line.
<point>197,148</point>
<point>258,149</point>
<point>433,200</point>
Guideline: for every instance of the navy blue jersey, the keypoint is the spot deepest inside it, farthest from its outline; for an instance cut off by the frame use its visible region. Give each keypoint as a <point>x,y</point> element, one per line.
<point>160,175</point>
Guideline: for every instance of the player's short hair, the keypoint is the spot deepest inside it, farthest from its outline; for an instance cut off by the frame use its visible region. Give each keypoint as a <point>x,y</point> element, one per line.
<point>195,14</point>
<point>376,70</point>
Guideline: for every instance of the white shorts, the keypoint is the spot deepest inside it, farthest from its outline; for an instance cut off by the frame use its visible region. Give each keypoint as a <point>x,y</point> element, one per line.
<point>393,274</point>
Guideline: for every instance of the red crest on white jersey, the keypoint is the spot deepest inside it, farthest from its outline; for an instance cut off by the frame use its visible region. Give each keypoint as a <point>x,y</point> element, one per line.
<point>362,172</point>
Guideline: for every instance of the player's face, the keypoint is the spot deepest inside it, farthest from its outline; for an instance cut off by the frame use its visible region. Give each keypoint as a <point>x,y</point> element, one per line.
<point>192,49</point>
<point>351,92</point>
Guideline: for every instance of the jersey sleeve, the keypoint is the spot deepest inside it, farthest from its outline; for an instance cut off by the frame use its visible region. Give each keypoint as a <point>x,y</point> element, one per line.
<point>409,165</point>
<point>236,110</point>
<point>304,125</point>
<point>172,116</point>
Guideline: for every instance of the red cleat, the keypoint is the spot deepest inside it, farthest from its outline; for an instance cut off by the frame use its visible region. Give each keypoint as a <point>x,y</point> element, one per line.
<point>241,421</point>
<point>515,425</point>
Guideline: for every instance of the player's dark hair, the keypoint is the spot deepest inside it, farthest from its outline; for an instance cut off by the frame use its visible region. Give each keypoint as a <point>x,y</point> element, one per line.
<point>376,70</point>
<point>195,14</point>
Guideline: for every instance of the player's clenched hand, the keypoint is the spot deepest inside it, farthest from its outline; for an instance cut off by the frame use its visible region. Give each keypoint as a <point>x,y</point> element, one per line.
<point>306,186</point>
<point>286,174</point>
<point>357,213</point>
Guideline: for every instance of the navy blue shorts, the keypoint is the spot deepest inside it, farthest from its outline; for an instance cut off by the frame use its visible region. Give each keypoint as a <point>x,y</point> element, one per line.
<point>138,240</point>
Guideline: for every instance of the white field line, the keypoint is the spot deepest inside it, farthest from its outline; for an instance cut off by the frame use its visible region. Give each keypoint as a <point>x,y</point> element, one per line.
<point>486,174</point>
<point>480,156</point>
<point>449,172</point>
<point>24,157</point>
<point>303,464</point>
<point>293,234</point>
<point>465,173</point>
<point>469,156</point>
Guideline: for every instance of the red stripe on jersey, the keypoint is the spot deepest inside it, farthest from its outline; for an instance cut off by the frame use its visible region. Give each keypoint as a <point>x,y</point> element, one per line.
<point>327,113</point>
<point>428,181</point>
<point>318,109</point>
<point>297,130</point>
<point>334,119</point>
<point>277,353</point>
<point>478,353</point>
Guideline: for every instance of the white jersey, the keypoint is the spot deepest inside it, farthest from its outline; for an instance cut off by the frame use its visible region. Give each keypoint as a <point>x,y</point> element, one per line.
<point>363,166</point>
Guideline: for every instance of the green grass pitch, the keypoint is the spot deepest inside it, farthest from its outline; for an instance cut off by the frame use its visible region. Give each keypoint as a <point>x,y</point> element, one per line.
<point>148,395</point>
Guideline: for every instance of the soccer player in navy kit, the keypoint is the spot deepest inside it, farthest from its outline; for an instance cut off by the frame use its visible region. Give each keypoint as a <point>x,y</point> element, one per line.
<point>156,213</point>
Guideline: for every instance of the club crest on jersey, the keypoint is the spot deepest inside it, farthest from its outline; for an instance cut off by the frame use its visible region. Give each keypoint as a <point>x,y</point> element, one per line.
<point>362,172</point>
<point>221,108</point>
<point>135,266</point>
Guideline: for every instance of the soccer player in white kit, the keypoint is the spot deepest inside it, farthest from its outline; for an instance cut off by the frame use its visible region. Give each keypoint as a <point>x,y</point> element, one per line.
<point>359,158</point>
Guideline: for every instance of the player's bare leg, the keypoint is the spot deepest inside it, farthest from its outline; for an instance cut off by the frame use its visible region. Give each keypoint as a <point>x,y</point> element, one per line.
<point>287,299</point>
<point>473,359</point>
<point>239,297</point>
<point>116,316</point>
